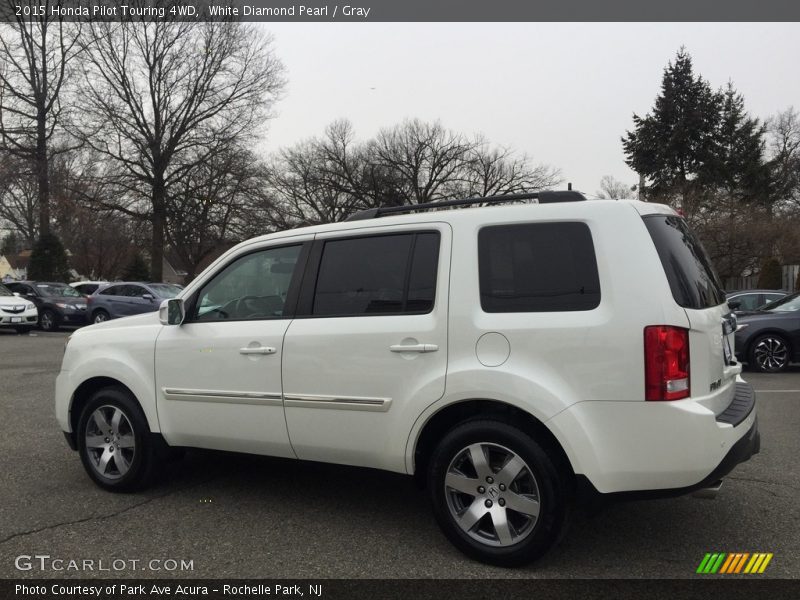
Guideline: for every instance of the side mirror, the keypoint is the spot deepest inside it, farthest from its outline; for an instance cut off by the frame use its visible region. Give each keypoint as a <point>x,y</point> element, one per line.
<point>171,312</point>
<point>17,295</point>
<point>148,297</point>
<point>734,304</point>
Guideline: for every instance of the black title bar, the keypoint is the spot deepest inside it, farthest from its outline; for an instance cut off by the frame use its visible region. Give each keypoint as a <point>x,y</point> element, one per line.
<point>407,10</point>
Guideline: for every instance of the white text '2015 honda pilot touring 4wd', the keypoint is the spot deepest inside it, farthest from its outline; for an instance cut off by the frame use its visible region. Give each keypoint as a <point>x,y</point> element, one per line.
<point>511,357</point>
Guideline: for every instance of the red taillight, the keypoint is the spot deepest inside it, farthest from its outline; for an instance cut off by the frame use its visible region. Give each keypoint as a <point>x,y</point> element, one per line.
<point>666,362</point>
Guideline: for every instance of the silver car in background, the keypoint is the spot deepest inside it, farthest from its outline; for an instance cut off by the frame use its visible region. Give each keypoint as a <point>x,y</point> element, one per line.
<point>126,298</point>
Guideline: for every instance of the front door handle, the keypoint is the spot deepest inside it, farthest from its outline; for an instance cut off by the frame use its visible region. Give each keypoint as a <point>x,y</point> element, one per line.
<point>414,348</point>
<point>257,350</point>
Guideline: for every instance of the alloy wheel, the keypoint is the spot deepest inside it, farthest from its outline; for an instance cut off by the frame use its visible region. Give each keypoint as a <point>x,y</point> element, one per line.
<point>47,320</point>
<point>100,317</point>
<point>771,354</point>
<point>110,442</point>
<point>492,494</point>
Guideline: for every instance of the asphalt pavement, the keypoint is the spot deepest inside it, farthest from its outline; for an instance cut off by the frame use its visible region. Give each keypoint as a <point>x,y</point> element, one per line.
<point>253,517</point>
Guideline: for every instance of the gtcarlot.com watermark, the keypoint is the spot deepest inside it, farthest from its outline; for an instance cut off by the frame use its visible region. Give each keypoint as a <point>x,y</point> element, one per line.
<point>45,562</point>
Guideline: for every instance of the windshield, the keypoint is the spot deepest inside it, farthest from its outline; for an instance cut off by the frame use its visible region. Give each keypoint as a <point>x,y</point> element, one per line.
<point>57,290</point>
<point>165,290</point>
<point>787,304</point>
<point>4,291</point>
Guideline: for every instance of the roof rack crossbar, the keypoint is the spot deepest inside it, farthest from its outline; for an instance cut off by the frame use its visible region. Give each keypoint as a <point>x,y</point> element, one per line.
<point>544,197</point>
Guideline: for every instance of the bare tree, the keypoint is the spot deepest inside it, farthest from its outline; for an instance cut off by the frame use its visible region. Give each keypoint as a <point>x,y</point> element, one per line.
<point>428,159</point>
<point>19,199</point>
<point>35,52</point>
<point>784,146</point>
<point>614,189</point>
<point>210,209</point>
<point>101,241</point>
<point>163,97</point>
<point>326,179</point>
<point>496,171</point>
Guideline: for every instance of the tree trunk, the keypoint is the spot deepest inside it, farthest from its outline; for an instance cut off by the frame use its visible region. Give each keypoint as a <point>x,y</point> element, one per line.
<point>159,223</point>
<point>43,176</point>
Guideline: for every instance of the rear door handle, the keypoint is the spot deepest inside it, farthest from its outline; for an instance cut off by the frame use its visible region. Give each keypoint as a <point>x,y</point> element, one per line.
<point>414,348</point>
<point>258,350</point>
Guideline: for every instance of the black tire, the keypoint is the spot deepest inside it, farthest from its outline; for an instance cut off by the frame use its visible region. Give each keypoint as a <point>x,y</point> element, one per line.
<point>48,320</point>
<point>534,536</point>
<point>769,353</point>
<point>100,316</point>
<point>140,461</point>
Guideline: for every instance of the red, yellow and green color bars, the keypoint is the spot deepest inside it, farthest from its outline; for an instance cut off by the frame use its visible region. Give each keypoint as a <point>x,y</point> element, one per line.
<point>734,562</point>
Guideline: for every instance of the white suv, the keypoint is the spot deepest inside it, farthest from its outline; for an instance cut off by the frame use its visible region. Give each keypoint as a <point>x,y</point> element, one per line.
<point>509,357</point>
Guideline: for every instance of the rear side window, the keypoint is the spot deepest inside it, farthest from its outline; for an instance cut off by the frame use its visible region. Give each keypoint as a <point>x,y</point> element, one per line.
<point>387,274</point>
<point>114,290</point>
<point>692,279</point>
<point>538,267</point>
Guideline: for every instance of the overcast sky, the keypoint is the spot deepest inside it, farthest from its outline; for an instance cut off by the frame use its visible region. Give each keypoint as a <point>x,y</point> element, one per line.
<point>562,93</point>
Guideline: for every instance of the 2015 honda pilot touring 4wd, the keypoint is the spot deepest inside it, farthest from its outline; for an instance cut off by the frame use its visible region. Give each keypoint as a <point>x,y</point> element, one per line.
<point>508,356</point>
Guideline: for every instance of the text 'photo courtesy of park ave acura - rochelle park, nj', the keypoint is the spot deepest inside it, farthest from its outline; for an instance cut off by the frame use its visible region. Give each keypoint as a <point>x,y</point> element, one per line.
<point>381,301</point>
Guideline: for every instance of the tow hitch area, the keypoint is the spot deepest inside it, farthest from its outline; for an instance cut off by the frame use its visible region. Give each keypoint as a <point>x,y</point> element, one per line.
<point>710,492</point>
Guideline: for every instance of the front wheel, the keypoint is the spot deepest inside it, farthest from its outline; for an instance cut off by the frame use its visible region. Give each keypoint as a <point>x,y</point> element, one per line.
<point>114,441</point>
<point>496,493</point>
<point>769,353</point>
<point>100,316</point>
<point>48,320</point>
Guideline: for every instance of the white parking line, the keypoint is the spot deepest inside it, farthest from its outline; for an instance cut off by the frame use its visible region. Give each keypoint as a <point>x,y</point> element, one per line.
<point>776,391</point>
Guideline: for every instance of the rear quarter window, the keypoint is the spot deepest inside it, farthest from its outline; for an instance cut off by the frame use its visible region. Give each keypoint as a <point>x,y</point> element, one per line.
<point>691,276</point>
<point>537,267</point>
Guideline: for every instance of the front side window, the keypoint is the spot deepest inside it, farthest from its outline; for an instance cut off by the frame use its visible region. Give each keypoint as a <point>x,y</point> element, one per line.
<point>537,267</point>
<point>4,291</point>
<point>254,286</point>
<point>113,290</point>
<point>387,274</point>
<point>134,291</point>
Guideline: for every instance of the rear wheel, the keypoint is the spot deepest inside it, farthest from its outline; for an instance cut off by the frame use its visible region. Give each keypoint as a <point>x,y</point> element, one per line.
<point>496,493</point>
<point>769,353</point>
<point>114,441</point>
<point>48,320</point>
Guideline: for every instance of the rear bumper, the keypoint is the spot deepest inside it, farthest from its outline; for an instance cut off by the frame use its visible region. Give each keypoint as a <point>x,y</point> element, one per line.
<point>665,447</point>
<point>742,451</point>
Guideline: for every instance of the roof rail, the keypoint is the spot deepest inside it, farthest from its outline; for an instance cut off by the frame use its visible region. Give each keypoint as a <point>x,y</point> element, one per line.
<point>544,197</point>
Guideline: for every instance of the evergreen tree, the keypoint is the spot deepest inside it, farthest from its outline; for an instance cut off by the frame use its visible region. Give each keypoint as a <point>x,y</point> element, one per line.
<point>673,146</point>
<point>739,169</point>
<point>769,277</point>
<point>10,245</point>
<point>137,269</point>
<point>48,260</point>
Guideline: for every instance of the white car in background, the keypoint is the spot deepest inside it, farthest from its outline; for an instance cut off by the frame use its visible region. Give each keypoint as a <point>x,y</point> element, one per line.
<point>15,312</point>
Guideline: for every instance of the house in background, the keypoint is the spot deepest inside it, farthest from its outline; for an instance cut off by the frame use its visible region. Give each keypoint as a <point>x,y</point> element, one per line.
<point>15,266</point>
<point>5,268</point>
<point>171,274</point>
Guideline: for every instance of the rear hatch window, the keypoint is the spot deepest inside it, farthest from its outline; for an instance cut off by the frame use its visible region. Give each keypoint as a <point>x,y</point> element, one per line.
<point>691,277</point>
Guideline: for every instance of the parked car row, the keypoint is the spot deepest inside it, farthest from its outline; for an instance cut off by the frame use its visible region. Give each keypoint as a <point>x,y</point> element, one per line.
<point>16,312</point>
<point>768,338</point>
<point>50,305</point>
